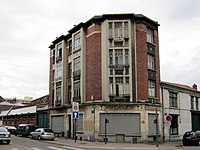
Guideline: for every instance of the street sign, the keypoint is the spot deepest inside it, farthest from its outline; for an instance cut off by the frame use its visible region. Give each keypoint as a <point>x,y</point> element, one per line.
<point>169,118</point>
<point>75,115</point>
<point>75,106</point>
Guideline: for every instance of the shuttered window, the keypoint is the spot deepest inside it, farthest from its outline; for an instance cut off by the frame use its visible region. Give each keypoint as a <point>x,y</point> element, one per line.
<point>121,123</point>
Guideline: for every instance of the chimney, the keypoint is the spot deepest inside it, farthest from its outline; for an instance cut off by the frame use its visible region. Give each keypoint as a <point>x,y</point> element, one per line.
<point>194,86</point>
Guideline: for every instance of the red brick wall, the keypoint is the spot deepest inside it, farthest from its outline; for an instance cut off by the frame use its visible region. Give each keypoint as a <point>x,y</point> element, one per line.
<point>93,64</point>
<point>141,62</point>
<point>157,64</point>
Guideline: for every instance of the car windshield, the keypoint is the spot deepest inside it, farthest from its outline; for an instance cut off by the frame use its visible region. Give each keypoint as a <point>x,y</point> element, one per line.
<point>3,129</point>
<point>48,130</point>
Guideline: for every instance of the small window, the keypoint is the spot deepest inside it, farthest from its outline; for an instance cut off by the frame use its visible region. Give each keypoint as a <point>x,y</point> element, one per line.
<point>192,102</point>
<point>151,88</point>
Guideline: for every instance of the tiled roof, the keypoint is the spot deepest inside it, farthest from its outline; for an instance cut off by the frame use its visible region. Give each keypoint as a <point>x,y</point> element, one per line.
<point>187,87</point>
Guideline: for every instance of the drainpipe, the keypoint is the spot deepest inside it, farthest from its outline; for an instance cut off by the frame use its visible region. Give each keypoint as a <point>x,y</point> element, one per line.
<point>163,114</point>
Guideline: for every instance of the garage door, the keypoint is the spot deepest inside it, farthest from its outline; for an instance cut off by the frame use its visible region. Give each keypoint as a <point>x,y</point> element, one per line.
<point>57,122</point>
<point>121,123</point>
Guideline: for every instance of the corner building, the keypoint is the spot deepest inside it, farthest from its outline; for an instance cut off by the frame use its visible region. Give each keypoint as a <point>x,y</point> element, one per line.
<point>110,66</point>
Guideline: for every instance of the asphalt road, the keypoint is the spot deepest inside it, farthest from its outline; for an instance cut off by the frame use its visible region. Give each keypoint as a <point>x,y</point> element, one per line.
<point>21,143</point>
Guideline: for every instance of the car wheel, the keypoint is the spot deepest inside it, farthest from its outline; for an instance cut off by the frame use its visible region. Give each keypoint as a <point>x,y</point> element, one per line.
<point>8,142</point>
<point>32,137</point>
<point>39,138</point>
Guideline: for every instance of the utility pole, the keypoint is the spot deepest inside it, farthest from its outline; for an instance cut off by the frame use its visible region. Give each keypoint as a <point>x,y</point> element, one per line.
<point>156,128</point>
<point>106,121</point>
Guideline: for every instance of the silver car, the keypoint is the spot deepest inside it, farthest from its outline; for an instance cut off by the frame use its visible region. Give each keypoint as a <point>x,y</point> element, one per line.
<point>4,135</point>
<point>43,133</point>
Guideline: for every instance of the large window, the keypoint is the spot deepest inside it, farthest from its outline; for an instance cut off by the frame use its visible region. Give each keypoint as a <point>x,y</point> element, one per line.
<point>119,86</point>
<point>151,62</point>
<point>125,29</point>
<point>77,91</point>
<point>118,30</point>
<point>111,86</point>
<point>77,41</point>
<point>77,64</point>
<point>197,104</point>
<point>58,95</point>
<point>149,35</point>
<point>118,57</point>
<point>58,73</point>
<point>173,99</point>
<point>174,125</point>
<point>151,88</point>
<point>126,57</point>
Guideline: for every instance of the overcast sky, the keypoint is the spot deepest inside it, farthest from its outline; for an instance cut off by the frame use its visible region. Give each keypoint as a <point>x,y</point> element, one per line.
<point>27,28</point>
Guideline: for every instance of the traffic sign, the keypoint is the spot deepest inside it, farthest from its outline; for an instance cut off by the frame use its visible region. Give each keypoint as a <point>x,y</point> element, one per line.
<point>75,106</point>
<point>169,118</point>
<point>75,115</point>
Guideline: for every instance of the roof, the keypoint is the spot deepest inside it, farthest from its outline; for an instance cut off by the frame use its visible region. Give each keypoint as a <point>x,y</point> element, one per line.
<point>24,110</point>
<point>5,103</point>
<point>182,86</point>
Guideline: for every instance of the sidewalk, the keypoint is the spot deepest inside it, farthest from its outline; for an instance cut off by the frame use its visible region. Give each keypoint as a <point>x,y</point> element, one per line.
<point>82,144</point>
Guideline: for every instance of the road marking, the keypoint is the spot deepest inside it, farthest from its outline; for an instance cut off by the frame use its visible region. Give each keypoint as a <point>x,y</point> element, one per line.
<point>35,148</point>
<point>75,148</point>
<point>55,148</point>
<point>14,148</point>
<point>101,147</point>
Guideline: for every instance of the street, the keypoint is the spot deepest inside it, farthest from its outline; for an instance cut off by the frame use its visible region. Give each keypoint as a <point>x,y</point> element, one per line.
<point>21,143</point>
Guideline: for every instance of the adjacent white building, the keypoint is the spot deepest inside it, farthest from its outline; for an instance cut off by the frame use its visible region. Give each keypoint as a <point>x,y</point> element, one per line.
<point>181,102</point>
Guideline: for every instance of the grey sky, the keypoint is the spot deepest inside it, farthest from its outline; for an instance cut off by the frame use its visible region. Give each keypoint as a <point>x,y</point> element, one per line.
<point>29,26</point>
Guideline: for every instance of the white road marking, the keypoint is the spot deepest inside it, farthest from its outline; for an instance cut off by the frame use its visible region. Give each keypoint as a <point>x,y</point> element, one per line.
<point>75,148</point>
<point>55,148</point>
<point>35,148</point>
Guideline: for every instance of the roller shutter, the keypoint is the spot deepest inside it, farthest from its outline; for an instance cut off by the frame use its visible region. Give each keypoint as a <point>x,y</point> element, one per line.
<point>79,123</point>
<point>151,124</point>
<point>121,123</point>
<point>57,122</point>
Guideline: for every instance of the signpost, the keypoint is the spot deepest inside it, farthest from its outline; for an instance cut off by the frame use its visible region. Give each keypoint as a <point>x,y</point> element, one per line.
<point>169,119</point>
<point>75,115</point>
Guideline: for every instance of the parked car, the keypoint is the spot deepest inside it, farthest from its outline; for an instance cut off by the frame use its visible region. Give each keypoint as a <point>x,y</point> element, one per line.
<point>11,129</point>
<point>43,133</point>
<point>25,129</point>
<point>4,135</point>
<point>191,138</point>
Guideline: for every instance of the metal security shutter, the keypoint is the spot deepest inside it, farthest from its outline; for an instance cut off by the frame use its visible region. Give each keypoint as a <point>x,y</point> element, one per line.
<point>151,125</point>
<point>79,123</point>
<point>57,123</point>
<point>121,123</point>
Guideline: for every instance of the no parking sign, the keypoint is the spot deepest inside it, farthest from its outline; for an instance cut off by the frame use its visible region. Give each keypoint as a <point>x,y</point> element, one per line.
<point>75,106</point>
<point>169,118</point>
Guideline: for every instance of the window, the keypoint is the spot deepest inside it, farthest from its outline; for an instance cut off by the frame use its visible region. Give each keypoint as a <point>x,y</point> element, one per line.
<point>126,57</point>
<point>151,88</point>
<point>119,86</point>
<point>118,30</point>
<point>149,35</point>
<point>174,125</point>
<point>69,93</point>
<point>70,46</point>
<point>151,62</point>
<point>111,57</point>
<point>192,102</point>
<point>77,92</point>
<point>126,29</point>
<point>58,73</point>
<point>70,69</point>
<point>77,64</point>
<point>197,103</point>
<point>58,95</point>
<point>173,99</point>
<point>59,52</point>
<point>77,41</point>
<point>127,87</point>
<point>110,30</point>
<point>118,57</point>
<point>111,85</point>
